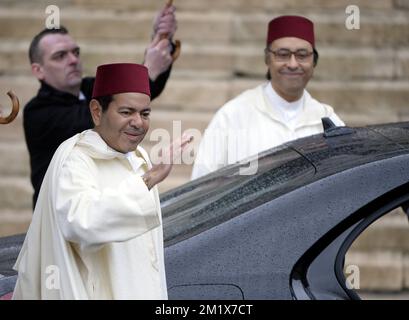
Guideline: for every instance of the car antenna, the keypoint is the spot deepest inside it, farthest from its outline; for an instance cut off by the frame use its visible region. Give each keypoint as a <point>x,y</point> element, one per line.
<point>332,130</point>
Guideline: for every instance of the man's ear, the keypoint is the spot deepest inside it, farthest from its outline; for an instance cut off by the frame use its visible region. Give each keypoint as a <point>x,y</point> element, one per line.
<point>96,111</point>
<point>37,70</point>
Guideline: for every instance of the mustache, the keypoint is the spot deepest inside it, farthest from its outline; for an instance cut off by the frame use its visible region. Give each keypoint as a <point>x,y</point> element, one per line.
<point>289,71</point>
<point>135,131</point>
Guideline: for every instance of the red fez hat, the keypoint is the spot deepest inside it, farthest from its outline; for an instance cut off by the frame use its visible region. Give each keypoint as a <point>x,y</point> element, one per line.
<point>120,78</point>
<point>291,26</point>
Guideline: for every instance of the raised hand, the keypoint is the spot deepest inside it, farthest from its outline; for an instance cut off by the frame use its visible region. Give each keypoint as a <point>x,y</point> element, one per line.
<point>171,153</point>
<point>165,23</point>
<point>158,57</point>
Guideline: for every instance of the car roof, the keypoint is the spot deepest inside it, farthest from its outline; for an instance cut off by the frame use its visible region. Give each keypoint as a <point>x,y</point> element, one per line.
<point>224,194</point>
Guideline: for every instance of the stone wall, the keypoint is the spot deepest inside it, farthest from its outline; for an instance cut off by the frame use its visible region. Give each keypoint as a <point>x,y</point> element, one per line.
<point>363,73</point>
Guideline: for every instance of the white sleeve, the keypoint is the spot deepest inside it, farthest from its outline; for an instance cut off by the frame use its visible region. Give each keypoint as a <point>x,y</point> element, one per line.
<point>91,216</point>
<point>212,152</point>
<point>336,120</point>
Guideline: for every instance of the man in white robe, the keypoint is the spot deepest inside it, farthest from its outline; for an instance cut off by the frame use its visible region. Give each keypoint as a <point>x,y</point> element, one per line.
<point>274,112</point>
<point>96,231</point>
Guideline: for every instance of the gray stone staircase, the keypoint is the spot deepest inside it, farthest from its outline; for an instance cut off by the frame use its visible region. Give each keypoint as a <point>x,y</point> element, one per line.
<point>363,73</point>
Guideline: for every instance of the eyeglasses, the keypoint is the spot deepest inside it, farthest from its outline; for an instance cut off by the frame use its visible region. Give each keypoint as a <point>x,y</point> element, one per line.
<point>284,55</point>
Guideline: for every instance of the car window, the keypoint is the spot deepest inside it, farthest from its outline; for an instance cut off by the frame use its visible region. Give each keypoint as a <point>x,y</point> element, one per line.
<point>226,193</point>
<point>336,266</point>
<point>376,264</point>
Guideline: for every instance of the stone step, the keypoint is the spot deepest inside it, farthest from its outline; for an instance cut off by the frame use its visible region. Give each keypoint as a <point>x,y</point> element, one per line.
<point>12,132</point>
<point>15,159</point>
<point>354,97</point>
<point>116,26</point>
<point>382,295</point>
<point>237,5</point>
<point>381,253</point>
<point>163,124</point>
<point>14,221</point>
<point>379,270</point>
<point>228,60</point>
<point>390,233</point>
<point>25,87</point>
<point>16,191</point>
<point>29,4</point>
<point>380,28</point>
<point>359,103</point>
<point>210,5</point>
<point>354,94</point>
<point>199,94</point>
<point>15,173</point>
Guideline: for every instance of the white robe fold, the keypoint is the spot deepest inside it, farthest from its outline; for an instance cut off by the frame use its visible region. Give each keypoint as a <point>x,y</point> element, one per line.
<point>96,231</point>
<point>250,124</point>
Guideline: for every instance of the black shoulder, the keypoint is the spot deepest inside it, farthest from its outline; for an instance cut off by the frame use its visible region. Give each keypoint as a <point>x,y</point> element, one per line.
<point>87,86</point>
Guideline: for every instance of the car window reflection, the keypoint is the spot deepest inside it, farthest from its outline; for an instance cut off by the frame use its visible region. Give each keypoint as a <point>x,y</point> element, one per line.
<point>226,193</point>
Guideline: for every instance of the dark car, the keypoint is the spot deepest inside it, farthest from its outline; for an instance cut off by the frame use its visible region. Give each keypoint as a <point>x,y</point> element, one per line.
<point>283,232</point>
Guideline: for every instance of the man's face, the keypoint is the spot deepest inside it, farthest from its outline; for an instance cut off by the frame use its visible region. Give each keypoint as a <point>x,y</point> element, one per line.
<point>289,78</point>
<point>126,122</point>
<point>61,65</point>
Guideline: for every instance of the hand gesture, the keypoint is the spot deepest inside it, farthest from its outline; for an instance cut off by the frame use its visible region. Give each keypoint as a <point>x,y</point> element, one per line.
<point>160,171</point>
<point>157,57</point>
<point>165,23</point>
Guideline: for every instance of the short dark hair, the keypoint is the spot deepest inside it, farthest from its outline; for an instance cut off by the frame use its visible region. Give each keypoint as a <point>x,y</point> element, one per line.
<point>34,53</point>
<point>104,101</point>
<point>316,56</point>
